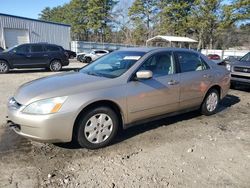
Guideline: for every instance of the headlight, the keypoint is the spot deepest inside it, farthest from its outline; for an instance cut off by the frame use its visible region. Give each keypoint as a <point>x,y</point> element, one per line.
<point>46,106</point>
<point>228,67</point>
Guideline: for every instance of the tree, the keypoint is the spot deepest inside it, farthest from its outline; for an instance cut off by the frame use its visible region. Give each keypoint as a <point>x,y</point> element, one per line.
<point>45,14</point>
<point>87,18</point>
<point>238,10</point>
<point>99,16</point>
<point>211,22</point>
<point>76,15</point>
<point>173,17</point>
<point>143,13</point>
<point>122,24</point>
<point>204,21</point>
<point>56,14</point>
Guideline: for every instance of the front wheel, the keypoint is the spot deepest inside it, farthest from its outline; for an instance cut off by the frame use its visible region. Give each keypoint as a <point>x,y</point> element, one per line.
<point>55,66</point>
<point>210,103</point>
<point>96,128</point>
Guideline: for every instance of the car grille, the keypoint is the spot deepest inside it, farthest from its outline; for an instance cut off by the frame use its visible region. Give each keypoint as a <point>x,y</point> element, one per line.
<point>242,69</point>
<point>238,76</point>
<point>14,104</point>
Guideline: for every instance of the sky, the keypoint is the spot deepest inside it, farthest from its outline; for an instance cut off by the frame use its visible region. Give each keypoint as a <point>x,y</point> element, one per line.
<point>27,8</point>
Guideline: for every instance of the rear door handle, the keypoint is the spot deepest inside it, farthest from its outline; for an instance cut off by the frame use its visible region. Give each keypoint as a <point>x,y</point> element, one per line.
<point>173,82</point>
<point>45,55</point>
<point>28,56</point>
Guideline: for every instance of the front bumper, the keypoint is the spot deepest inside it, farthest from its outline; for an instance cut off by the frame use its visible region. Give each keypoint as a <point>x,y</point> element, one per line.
<point>44,128</point>
<point>240,78</point>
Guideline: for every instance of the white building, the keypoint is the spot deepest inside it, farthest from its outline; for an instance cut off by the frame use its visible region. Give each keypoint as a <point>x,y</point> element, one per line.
<point>18,30</point>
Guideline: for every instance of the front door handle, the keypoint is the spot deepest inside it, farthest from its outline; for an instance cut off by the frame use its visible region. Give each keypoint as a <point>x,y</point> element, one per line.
<point>173,82</point>
<point>207,76</point>
<point>28,56</point>
<point>45,55</point>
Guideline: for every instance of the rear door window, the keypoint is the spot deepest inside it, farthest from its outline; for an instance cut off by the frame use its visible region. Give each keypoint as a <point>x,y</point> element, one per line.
<point>37,48</point>
<point>189,62</point>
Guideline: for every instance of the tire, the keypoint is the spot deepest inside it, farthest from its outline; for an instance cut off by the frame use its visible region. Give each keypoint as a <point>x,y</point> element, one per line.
<point>71,57</point>
<point>88,60</point>
<point>4,67</point>
<point>210,103</point>
<point>55,65</point>
<point>91,131</point>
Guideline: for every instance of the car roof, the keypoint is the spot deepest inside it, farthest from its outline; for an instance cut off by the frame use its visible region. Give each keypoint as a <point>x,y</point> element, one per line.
<point>149,49</point>
<point>39,43</point>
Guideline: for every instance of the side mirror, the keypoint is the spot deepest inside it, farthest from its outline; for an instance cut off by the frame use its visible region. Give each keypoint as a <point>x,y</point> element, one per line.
<point>144,74</point>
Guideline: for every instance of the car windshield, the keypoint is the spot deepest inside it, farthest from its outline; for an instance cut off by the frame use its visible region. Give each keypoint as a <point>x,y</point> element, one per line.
<point>112,65</point>
<point>10,49</point>
<point>246,57</point>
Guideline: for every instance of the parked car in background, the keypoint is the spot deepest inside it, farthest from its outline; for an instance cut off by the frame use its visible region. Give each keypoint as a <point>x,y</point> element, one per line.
<point>36,55</point>
<point>94,54</point>
<point>80,56</point>
<point>1,49</point>
<point>121,89</point>
<point>240,71</point>
<point>229,59</point>
<point>213,56</point>
<point>71,54</point>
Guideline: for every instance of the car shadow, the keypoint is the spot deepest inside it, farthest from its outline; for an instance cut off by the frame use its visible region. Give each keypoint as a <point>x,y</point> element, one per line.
<point>242,87</point>
<point>40,70</point>
<point>227,102</point>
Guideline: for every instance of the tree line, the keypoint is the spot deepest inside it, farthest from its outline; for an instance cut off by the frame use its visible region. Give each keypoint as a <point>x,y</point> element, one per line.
<point>213,23</point>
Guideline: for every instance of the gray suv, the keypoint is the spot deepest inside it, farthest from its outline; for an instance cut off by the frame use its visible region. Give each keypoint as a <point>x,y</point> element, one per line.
<point>37,55</point>
<point>118,90</point>
<point>240,71</point>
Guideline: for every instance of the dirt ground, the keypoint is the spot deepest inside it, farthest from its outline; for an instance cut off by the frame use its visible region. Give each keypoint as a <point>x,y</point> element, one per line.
<point>187,150</point>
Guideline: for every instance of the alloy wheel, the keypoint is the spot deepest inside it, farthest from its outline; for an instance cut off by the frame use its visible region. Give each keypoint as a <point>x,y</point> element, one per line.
<point>56,66</point>
<point>3,67</point>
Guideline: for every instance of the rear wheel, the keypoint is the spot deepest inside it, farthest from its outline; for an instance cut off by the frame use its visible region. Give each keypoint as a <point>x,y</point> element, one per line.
<point>55,65</point>
<point>96,128</point>
<point>4,67</point>
<point>210,103</point>
<point>88,60</point>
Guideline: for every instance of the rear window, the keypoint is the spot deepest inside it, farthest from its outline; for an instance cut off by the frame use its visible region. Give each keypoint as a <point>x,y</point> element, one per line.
<point>53,48</point>
<point>101,52</point>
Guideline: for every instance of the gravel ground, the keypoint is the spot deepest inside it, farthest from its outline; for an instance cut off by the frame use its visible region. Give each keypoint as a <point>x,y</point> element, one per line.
<point>188,150</point>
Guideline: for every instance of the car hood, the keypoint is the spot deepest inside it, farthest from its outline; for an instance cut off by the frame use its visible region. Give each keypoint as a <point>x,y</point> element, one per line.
<point>59,85</point>
<point>240,63</point>
<point>3,54</point>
